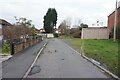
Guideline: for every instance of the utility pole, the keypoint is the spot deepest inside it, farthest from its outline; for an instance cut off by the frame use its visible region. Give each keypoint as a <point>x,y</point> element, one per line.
<point>115,21</point>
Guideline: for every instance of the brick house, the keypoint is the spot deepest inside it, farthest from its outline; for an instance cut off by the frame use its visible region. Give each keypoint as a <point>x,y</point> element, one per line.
<point>111,18</point>
<point>3,24</point>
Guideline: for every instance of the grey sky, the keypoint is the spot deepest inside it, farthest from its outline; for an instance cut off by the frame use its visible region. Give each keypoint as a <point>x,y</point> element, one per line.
<point>89,11</point>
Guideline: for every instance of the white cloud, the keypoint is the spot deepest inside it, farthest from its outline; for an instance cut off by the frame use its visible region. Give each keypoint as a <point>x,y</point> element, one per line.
<point>89,11</point>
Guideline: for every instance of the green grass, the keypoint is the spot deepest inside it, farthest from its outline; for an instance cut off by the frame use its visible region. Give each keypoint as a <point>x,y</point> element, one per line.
<point>104,51</point>
<point>5,49</point>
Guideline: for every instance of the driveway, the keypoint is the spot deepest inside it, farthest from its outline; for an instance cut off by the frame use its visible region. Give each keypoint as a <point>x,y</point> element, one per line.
<point>60,61</point>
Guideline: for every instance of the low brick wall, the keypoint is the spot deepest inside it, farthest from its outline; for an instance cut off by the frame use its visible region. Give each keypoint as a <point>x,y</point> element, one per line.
<point>23,45</point>
<point>18,47</point>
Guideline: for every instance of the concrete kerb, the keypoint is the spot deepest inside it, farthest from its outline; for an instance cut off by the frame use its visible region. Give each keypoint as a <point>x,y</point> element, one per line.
<point>39,52</point>
<point>103,69</point>
<point>100,67</point>
<point>5,57</point>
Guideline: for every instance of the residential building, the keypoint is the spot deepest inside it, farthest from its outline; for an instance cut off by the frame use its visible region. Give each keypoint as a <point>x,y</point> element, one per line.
<point>111,18</point>
<point>41,30</point>
<point>3,23</point>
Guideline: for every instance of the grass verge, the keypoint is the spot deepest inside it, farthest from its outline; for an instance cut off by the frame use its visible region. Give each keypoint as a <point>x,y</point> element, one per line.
<point>104,51</point>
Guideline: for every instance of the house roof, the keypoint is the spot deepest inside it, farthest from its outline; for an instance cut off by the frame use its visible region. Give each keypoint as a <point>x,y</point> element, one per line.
<point>114,11</point>
<point>41,29</point>
<point>4,22</point>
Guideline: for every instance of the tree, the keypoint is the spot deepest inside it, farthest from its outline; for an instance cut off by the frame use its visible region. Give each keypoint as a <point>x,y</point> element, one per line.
<point>23,22</point>
<point>50,20</point>
<point>25,25</point>
<point>33,31</point>
<point>10,33</point>
<point>117,31</point>
<point>77,22</point>
<point>62,28</point>
<point>65,27</point>
<point>83,26</point>
<point>22,28</point>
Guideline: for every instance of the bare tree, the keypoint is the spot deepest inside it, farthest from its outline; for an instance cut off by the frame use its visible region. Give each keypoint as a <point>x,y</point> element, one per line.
<point>10,33</point>
<point>77,23</point>
<point>25,24</point>
<point>65,26</point>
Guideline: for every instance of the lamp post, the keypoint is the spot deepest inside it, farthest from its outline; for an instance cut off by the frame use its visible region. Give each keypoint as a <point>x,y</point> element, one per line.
<point>115,21</point>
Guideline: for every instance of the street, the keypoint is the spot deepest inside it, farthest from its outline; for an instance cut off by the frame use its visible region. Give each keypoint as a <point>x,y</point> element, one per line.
<point>60,61</point>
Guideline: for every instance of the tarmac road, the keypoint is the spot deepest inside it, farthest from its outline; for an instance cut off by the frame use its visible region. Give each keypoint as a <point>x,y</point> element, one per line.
<point>60,61</point>
<point>17,66</point>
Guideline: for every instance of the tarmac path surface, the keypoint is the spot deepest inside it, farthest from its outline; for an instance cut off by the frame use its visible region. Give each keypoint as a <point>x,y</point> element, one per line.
<point>58,60</point>
<point>17,66</point>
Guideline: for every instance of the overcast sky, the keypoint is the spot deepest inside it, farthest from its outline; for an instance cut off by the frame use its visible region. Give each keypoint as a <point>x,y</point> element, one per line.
<point>88,11</point>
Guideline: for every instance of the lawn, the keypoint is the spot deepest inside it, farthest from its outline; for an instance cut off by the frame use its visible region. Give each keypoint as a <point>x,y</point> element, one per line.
<point>104,51</point>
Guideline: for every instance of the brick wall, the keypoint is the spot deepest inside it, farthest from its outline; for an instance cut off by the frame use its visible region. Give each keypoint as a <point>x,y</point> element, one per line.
<point>21,46</point>
<point>111,19</point>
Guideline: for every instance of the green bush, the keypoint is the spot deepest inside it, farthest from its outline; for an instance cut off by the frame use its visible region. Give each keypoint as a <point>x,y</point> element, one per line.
<point>5,48</point>
<point>77,34</point>
<point>56,35</point>
<point>117,31</point>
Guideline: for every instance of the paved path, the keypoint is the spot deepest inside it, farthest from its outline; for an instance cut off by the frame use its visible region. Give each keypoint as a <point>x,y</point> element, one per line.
<point>60,61</point>
<point>19,63</point>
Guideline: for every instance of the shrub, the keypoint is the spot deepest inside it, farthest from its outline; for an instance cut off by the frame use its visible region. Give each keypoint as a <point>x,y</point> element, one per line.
<point>56,35</point>
<point>117,31</point>
<point>77,34</point>
<point>73,30</point>
<point>5,48</point>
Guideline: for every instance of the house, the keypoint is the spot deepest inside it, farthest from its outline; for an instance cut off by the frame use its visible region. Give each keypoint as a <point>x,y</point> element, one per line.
<point>111,18</point>
<point>3,24</point>
<point>41,30</point>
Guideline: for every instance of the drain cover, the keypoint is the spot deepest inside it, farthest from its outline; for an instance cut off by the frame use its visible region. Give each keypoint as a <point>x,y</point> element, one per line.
<point>35,69</point>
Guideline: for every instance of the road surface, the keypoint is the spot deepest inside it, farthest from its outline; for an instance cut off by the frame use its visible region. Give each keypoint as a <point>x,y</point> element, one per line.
<point>60,61</point>
<point>17,66</point>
